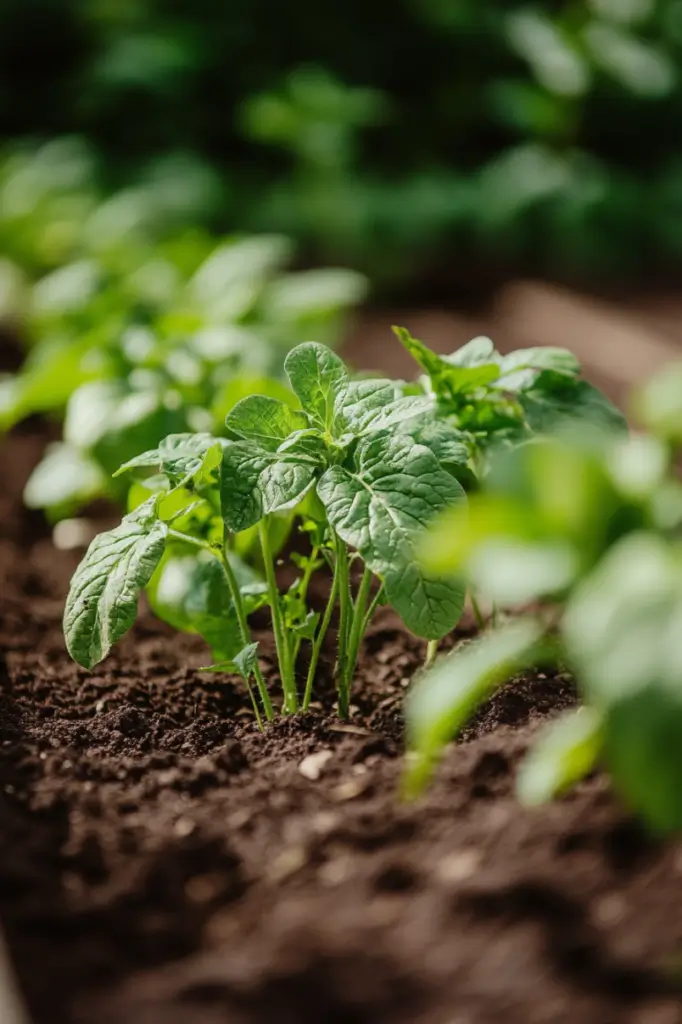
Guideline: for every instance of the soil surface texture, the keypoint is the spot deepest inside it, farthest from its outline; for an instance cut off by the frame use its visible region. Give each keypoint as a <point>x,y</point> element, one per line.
<point>161,862</point>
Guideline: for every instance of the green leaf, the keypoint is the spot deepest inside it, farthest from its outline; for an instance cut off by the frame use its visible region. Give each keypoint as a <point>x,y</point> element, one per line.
<point>180,456</point>
<point>360,401</point>
<point>644,753</point>
<point>65,479</point>
<point>380,506</point>
<point>255,482</point>
<point>455,374</point>
<point>317,377</point>
<point>447,443</point>
<point>555,399</point>
<point>265,420</point>
<point>245,660</point>
<point>191,593</point>
<point>102,602</point>
<point>566,750</point>
<point>477,352</point>
<point>519,370</point>
<point>443,699</point>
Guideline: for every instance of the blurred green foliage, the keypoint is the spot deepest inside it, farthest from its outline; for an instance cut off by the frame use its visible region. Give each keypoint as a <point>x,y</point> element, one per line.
<point>136,323</point>
<point>382,134</point>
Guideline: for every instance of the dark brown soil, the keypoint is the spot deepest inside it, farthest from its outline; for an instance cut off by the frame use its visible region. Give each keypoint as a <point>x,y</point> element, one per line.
<point>163,863</point>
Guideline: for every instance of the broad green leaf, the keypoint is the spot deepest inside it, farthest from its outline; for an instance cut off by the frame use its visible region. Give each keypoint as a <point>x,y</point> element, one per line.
<point>360,401</point>
<point>265,420</point>
<point>190,592</point>
<point>555,399</point>
<point>255,482</point>
<point>317,377</point>
<point>566,750</point>
<point>381,506</point>
<point>447,444</point>
<point>519,370</point>
<point>66,478</point>
<point>102,602</point>
<point>179,455</point>
<point>444,699</point>
<point>284,483</point>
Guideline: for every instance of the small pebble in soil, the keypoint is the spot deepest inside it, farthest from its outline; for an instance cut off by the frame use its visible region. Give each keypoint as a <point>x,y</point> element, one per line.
<point>312,765</point>
<point>457,867</point>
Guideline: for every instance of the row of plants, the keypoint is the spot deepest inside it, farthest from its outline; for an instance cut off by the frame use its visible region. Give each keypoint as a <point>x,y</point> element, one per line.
<point>519,119</point>
<point>507,478</point>
<point>359,467</point>
<point>135,323</point>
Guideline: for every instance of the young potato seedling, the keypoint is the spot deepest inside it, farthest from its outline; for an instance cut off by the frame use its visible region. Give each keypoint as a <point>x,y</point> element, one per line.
<point>361,468</point>
<point>363,465</point>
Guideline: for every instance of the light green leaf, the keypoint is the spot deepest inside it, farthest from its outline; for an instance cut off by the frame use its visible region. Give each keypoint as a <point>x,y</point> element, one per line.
<point>265,420</point>
<point>565,752</point>
<point>191,593</point>
<point>520,369</point>
<point>245,660</point>
<point>317,377</point>
<point>102,602</point>
<point>448,375</point>
<point>477,352</point>
<point>443,699</point>
<point>65,478</point>
<point>178,455</point>
<point>381,507</point>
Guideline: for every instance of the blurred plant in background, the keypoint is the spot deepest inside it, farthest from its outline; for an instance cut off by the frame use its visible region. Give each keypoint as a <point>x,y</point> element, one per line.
<point>384,135</point>
<point>137,323</point>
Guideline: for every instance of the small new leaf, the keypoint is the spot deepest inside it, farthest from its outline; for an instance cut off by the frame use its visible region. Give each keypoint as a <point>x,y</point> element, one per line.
<point>317,377</point>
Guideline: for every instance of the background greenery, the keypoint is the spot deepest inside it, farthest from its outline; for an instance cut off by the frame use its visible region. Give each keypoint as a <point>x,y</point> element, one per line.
<point>393,136</point>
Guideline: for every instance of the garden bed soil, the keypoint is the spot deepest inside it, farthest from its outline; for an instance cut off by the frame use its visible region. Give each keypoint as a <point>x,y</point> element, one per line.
<point>161,862</point>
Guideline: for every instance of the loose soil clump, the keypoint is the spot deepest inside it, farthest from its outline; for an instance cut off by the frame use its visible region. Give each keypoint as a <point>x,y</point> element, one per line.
<point>162,862</point>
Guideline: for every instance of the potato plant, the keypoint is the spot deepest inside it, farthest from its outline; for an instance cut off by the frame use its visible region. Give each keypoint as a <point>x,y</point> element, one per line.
<point>584,529</point>
<point>362,465</point>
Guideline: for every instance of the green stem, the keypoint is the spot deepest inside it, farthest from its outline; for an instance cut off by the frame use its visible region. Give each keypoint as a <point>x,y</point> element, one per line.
<point>372,608</point>
<point>431,652</point>
<point>233,584</point>
<point>478,614</point>
<point>345,613</point>
<point>303,592</point>
<point>356,630</point>
<point>281,641</point>
<point>244,630</point>
<point>319,640</point>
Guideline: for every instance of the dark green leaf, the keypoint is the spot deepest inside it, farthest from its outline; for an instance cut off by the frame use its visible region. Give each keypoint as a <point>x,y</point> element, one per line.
<point>265,420</point>
<point>381,506</point>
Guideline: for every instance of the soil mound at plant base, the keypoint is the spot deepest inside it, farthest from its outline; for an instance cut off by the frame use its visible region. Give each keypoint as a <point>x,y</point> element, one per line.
<point>161,862</point>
